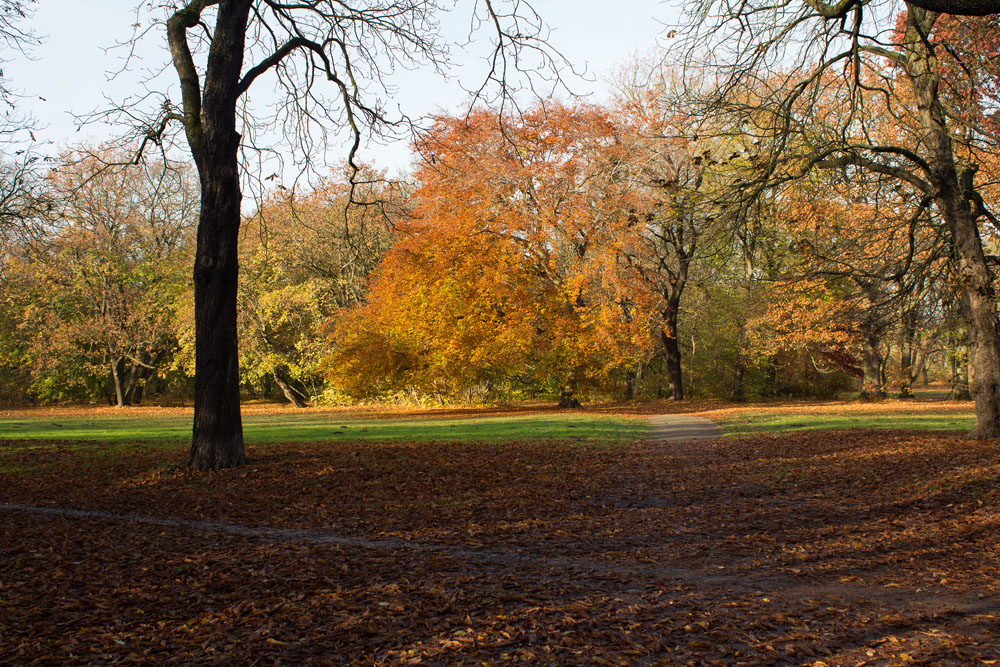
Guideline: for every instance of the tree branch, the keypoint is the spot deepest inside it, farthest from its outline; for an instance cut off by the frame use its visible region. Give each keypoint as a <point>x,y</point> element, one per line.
<point>178,24</point>
<point>959,7</point>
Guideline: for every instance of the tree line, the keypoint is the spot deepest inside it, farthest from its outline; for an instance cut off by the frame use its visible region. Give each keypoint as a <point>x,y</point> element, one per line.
<point>794,195</point>
<point>567,250</point>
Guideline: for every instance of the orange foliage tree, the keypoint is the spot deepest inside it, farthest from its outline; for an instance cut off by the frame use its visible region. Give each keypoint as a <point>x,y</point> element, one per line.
<point>507,273</point>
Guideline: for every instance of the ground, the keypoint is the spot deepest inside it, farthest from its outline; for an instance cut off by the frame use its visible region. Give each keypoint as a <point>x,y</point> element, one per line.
<point>846,547</point>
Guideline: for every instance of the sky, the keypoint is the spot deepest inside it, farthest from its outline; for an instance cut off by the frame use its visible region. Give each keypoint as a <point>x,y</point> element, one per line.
<point>70,73</point>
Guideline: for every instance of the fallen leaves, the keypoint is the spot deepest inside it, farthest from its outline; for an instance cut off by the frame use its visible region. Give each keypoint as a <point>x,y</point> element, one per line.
<point>798,549</point>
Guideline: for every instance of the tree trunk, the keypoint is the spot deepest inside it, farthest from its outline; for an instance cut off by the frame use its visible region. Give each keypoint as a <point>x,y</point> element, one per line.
<point>630,378</point>
<point>217,441</point>
<point>566,399</point>
<point>210,126</point>
<point>739,393</point>
<point>672,351</point>
<point>117,377</point>
<point>960,375</point>
<point>137,394</point>
<point>134,378</point>
<point>872,386</point>
<point>908,332</point>
<point>978,296</point>
<point>282,379</point>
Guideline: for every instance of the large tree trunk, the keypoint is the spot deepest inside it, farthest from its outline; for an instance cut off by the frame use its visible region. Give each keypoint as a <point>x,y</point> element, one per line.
<point>979,307</point>
<point>978,296</point>
<point>672,356</point>
<point>217,440</point>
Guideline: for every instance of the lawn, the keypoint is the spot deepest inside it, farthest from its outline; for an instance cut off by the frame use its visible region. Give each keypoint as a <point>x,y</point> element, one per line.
<point>271,424</point>
<point>920,415</point>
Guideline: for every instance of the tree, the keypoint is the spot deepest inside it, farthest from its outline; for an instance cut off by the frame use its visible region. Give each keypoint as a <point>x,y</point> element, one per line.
<point>97,289</point>
<point>21,198</point>
<point>295,44</point>
<point>13,36</point>
<point>675,221</point>
<point>843,54</point>
<point>507,271</point>
<point>304,258</point>
<point>955,7</point>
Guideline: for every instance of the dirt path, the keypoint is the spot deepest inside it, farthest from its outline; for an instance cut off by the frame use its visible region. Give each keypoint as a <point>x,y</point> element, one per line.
<point>682,428</point>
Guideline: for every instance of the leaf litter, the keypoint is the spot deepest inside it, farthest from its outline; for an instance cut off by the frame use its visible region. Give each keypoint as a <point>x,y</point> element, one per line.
<point>825,548</point>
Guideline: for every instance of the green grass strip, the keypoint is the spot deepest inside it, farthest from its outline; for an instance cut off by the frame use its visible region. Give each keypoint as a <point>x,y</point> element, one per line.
<point>780,423</point>
<point>327,427</point>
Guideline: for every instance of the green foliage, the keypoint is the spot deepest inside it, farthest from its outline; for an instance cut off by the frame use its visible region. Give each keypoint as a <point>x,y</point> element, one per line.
<point>89,302</point>
<point>304,258</point>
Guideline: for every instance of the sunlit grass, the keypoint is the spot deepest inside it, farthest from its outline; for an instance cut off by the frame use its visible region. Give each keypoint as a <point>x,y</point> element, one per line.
<point>892,414</point>
<point>173,428</point>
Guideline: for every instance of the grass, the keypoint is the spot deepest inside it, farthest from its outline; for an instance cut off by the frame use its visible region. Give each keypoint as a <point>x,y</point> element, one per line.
<point>172,427</point>
<point>263,424</point>
<point>921,415</point>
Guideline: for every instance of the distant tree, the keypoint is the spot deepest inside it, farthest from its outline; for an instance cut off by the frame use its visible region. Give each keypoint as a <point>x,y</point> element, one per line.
<point>304,258</point>
<point>506,272</point>
<point>674,177</point>
<point>97,289</point>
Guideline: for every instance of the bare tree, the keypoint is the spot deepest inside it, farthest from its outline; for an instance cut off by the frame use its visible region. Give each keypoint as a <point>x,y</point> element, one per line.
<point>676,175</point>
<point>220,50</point>
<point>21,194</point>
<point>814,84</point>
<point>14,36</point>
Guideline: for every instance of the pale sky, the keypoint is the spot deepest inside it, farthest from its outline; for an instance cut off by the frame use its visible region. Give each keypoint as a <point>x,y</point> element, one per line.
<point>69,72</point>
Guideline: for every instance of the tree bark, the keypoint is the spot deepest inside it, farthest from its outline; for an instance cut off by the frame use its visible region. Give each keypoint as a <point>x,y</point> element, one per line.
<point>630,382</point>
<point>672,358</point>
<point>117,377</point>
<point>217,440</point>
<point>739,392</point>
<point>978,295</point>
<point>210,126</point>
<point>872,385</point>
<point>959,375</point>
<point>908,333</point>
<point>960,7</point>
